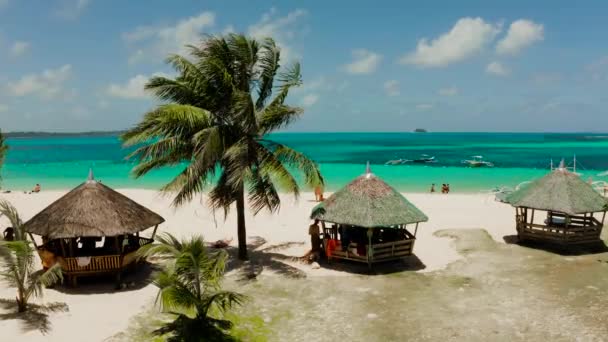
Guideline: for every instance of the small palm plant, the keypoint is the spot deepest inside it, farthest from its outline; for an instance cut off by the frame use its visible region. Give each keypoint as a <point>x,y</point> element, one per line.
<point>190,288</point>
<point>17,263</point>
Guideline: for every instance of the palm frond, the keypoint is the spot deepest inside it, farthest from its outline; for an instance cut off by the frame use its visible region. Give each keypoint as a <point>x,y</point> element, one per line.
<point>11,213</point>
<point>277,116</point>
<point>291,77</point>
<point>297,160</point>
<point>270,55</point>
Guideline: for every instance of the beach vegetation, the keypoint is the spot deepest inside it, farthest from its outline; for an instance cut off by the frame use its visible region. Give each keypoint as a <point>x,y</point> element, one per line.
<point>190,290</point>
<point>17,262</point>
<point>228,95</point>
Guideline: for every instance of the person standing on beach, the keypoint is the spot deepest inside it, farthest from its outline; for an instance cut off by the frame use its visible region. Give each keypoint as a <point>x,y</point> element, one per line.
<point>433,188</point>
<point>318,193</point>
<point>315,240</point>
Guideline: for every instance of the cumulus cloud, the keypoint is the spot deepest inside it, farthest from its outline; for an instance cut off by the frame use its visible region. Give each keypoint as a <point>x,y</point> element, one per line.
<point>391,88</point>
<point>72,9</point>
<point>364,62</point>
<point>283,29</point>
<point>159,41</point>
<point>522,33</point>
<point>19,48</point>
<point>497,69</point>
<point>450,91</point>
<point>309,100</point>
<point>133,88</point>
<point>466,38</point>
<point>45,85</point>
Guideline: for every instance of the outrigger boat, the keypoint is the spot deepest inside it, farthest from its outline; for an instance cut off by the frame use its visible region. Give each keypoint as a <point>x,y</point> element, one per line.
<point>424,159</point>
<point>477,161</point>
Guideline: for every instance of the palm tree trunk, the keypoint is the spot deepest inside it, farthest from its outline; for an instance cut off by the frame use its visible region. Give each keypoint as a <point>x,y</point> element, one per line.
<point>241,230</point>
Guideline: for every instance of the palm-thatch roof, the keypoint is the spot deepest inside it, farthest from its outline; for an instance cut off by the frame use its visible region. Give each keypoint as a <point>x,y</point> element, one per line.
<point>559,191</point>
<point>91,209</point>
<point>368,202</point>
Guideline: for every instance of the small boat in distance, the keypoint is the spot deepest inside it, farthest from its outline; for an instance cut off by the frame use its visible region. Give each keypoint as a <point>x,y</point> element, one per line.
<point>477,161</point>
<point>423,159</point>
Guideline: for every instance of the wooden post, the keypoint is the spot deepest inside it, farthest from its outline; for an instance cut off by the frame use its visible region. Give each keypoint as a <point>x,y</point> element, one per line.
<point>72,247</point>
<point>416,229</point>
<point>532,218</point>
<point>370,249</point>
<point>33,241</point>
<point>154,232</point>
<point>63,248</point>
<point>603,217</point>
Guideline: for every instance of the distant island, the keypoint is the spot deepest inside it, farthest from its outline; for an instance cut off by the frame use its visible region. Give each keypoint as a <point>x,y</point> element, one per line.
<point>420,130</point>
<point>61,134</point>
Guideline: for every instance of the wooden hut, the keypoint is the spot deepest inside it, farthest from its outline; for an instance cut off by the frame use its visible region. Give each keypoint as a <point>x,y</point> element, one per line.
<point>92,230</point>
<point>368,222</point>
<point>559,208</point>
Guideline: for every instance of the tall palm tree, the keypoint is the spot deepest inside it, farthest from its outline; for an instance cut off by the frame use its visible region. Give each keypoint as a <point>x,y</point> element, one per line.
<point>190,288</point>
<point>220,109</point>
<point>17,263</point>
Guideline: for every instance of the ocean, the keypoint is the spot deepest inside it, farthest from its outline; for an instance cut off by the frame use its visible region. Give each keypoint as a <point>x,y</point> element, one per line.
<point>64,162</point>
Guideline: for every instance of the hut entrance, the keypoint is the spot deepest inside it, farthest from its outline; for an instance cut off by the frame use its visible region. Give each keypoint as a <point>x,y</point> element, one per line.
<point>369,245</point>
<point>558,227</point>
<point>92,230</point>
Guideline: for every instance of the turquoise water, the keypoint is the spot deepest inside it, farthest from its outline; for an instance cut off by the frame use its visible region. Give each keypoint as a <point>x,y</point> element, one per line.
<point>63,162</point>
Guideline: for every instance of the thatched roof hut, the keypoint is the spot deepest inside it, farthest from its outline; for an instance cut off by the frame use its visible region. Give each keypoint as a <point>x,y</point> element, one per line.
<point>93,210</point>
<point>560,191</point>
<point>370,203</point>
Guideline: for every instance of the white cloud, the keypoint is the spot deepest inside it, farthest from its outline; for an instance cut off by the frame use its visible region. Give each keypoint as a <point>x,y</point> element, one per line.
<point>522,33</point>
<point>365,62</point>
<point>282,29</point>
<point>465,39</point>
<point>309,100</point>
<point>392,88</point>
<point>450,91</point>
<point>497,69</point>
<point>228,29</point>
<point>133,89</point>
<point>72,9</point>
<point>45,85</point>
<point>19,48</point>
<point>159,41</point>
<point>424,106</point>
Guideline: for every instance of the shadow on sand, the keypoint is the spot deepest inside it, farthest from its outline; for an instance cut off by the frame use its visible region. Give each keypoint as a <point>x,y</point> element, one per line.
<point>271,259</point>
<point>570,250</point>
<point>35,318</point>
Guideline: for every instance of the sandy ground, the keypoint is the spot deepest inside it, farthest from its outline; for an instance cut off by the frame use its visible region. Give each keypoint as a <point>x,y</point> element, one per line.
<point>95,313</point>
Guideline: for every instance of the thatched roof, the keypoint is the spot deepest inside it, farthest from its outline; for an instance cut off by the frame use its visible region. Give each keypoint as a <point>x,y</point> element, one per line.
<point>91,209</point>
<point>559,191</point>
<point>368,202</point>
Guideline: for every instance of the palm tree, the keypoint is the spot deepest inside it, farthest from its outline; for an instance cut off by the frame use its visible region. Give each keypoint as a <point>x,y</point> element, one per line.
<point>17,263</point>
<point>190,288</point>
<point>218,115</point>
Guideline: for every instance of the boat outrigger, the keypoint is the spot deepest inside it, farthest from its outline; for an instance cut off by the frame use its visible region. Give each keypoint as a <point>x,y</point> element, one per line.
<point>477,161</point>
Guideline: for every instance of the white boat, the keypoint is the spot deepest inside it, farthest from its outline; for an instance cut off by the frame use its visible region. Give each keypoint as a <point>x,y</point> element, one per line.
<point>477,161</point>
<point>396,162</point>
<point>424,158</point>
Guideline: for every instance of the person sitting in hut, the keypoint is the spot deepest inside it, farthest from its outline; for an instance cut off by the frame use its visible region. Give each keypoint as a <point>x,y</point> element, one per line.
<point>315,240</point>
<point>9,234</point>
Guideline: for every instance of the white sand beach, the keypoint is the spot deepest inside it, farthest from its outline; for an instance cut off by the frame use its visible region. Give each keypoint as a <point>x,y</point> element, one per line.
<point>97,316</point>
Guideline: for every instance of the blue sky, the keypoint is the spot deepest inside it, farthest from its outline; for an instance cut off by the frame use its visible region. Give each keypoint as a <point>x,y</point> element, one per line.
<point>74,65</point>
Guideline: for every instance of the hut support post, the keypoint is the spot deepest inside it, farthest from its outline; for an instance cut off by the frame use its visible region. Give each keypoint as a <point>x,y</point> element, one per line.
<point>33,241</point>
<point>154,232</point>
<point>416,229</point>
<point>63,247</point>
<point>370,249</point>
<point>603,217</point>
<point>532,217</point>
